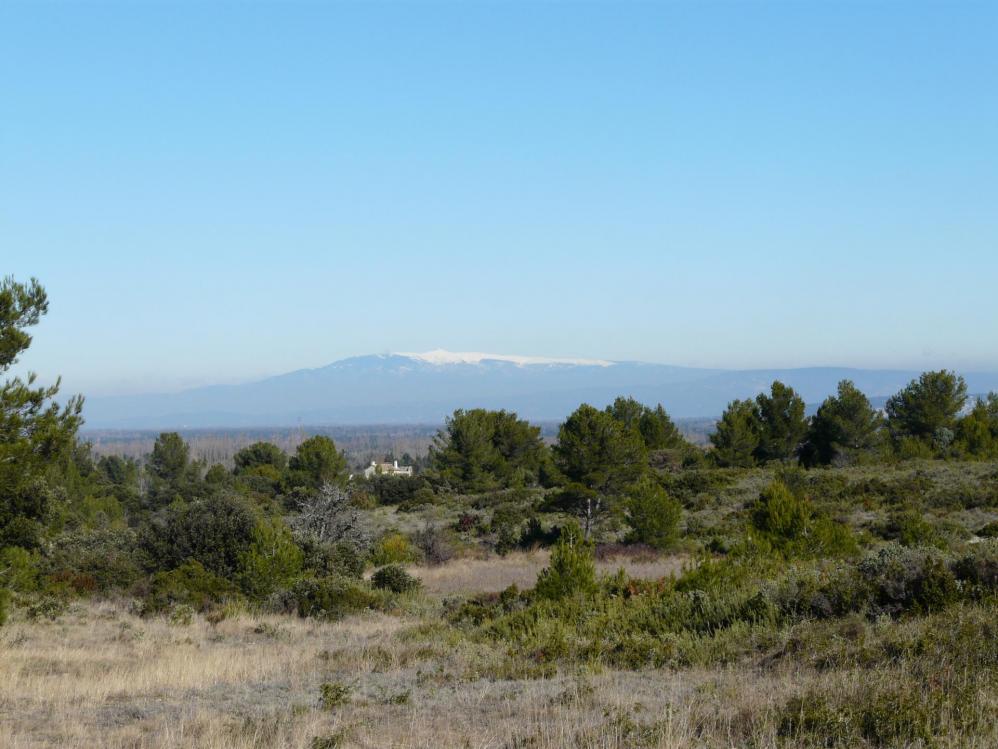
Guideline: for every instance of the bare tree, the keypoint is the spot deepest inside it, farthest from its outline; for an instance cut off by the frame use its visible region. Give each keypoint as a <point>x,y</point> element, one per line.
<point>327,517</point>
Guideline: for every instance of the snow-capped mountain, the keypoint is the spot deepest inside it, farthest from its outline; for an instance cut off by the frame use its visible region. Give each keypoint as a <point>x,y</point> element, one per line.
<point>441,356</point>
<point>426,387</point>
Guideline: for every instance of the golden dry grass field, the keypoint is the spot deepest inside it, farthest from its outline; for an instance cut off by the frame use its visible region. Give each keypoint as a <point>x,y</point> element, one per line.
<point>99,676</point>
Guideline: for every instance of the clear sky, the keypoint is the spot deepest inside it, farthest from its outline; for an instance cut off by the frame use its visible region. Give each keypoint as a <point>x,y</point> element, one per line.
<point>215,191</point>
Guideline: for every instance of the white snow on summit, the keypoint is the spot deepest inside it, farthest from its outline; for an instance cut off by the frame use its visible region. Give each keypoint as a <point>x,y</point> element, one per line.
<point>440,356</point>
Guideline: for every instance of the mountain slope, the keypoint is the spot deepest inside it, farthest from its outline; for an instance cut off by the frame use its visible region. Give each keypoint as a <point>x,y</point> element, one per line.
<point>410,388</point>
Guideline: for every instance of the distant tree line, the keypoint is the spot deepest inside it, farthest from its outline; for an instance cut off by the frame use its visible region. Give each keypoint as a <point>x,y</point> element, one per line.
<point>928,418</point>
<point>289,526</point>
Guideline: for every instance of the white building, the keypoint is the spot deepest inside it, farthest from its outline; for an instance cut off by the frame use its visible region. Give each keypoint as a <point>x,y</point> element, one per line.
<point>387,469</point>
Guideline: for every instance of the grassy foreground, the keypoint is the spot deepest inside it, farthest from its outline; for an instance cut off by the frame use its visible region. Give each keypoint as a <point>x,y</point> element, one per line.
<point>844,608</point>
<point>100,676</point>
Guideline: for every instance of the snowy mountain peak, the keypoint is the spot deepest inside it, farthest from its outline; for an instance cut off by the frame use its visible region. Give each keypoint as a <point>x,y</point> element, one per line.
<point>440,356</point>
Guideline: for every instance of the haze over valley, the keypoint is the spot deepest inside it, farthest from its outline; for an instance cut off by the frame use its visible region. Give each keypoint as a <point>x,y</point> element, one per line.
<point>425,388</point>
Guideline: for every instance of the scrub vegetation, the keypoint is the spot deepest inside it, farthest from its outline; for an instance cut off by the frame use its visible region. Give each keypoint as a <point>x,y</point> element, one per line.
<point>822,581</point>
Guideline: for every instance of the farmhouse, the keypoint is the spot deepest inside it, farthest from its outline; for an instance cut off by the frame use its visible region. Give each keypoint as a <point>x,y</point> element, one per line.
<point>387,469</point>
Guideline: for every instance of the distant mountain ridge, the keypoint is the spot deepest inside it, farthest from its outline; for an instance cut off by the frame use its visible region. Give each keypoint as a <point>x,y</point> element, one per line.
<point>424,388</point>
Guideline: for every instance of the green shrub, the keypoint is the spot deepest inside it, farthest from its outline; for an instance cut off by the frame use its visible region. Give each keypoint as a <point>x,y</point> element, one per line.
<point>505,524</point>
<point>688,484</point>
<point>4,601</point>
<point>216,532</point>
<point>909,528</point>
<point>534,535</point>
<point>810,715</point>
<point>653,516</point>
<point>105,556</point>
<point>343,559</point>
<point>395,579</point>
<point>422,497</point>
<point>506,540</point>
<point>393,490</point>
<point>894,716</point>
<point>885,717</point>
<point>821,592</point>
<point>906,579</point>
<point>46,606</point>
<point>784,521</point>
<point>333,695</point>
<point>781,516</point>
<point>979,568</point>
<point>393,548</point>
<point>331,597</point>
<point>21,531</point>
<point>831,539</point>
<point>913,448</point>
<point>363,500</point>
<point>19,569</point>
<point>189,584</point>
<point>572,569</point>
<point>272,561</point>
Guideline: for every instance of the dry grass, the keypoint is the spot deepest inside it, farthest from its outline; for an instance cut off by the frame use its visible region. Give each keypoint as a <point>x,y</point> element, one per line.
<point>101,677</point>
<point>521,569</point>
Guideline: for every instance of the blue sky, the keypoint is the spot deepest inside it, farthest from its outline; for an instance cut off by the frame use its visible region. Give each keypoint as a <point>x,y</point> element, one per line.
<point>216,191</point>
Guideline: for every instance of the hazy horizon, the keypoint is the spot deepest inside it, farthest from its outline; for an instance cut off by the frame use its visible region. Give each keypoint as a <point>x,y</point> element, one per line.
<point>196,383</point>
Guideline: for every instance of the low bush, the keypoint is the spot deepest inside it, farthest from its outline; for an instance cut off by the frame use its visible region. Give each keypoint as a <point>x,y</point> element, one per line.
<point>422,497</point>
<point>190,584</point>
<point>535,536</point>
<point>572,569</point>
<point>393,548</point>
<point>21,531</point>
<point>784,522</point>
<point>106,556</point>
<point>18,569</point>
<point>653,516</point>
<point>909,528</point>
<point>781,517</point>
<point>467,522</point>
<point>331,597</point>
<point>393,490</point>
<point>688,484</point>
<point>181,615</point>
<point>832,539</point>
<point>333,694</point>
<point>46,606</point>
<point>979,568</point>
<point>272,561</point>
<point>394,579</point>
<point>820,592</point>
<point>436,543</point>
<point>505,525</point>
<point>343,559</point>
<point>903,579</point>
<point>885,717</point>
